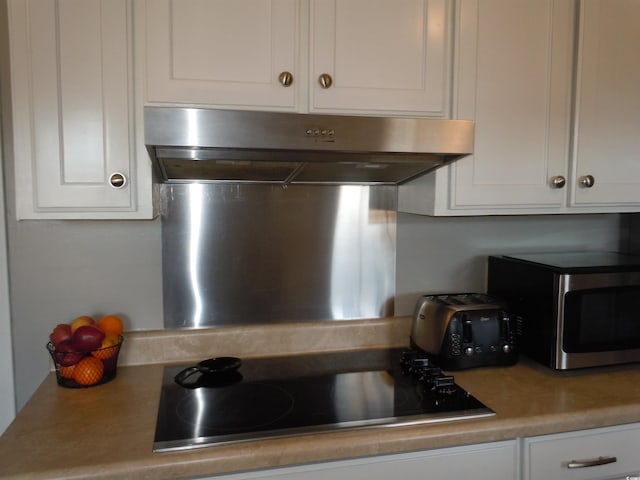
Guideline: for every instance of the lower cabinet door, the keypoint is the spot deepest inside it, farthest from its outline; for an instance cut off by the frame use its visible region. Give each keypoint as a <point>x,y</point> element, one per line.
<point>491,461</point>
<point>607,453</point>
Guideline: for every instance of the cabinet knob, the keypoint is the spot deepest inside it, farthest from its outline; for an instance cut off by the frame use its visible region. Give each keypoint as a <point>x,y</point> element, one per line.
<point>558,181</point>
<point>325,80</point>
<point>285,79</point>
<point>117,180</point>
<point>587,181</point>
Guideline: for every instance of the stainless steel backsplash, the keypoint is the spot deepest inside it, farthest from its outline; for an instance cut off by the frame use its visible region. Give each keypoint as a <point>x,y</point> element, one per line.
<point>256,254</point>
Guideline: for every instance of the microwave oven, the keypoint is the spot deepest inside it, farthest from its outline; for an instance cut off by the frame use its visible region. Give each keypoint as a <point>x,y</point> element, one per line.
<point>572,309</point>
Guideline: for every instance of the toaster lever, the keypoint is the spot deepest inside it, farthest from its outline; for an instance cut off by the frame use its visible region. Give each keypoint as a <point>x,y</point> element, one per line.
<point>467,336</point>
<point>505,326</point>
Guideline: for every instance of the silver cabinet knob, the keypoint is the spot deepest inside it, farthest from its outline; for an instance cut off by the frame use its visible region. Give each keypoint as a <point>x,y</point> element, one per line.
<point>325,80</point>
<point>285,79</point>
<point>558,181</point>
<point>587,181</point>
<point>117,180</point>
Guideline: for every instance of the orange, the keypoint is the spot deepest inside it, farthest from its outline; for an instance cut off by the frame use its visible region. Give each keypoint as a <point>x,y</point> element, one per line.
<point>111,324</point>
<point>109,347</point>
<point>67,372</point>
<point>80,321</point>
<point>88,371</point>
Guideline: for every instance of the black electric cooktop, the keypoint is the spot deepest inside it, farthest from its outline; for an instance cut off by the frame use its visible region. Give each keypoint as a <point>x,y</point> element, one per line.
<point>297,395</point>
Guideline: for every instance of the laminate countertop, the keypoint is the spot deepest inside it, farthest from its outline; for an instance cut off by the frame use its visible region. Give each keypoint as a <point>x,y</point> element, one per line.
<point>107,431</point>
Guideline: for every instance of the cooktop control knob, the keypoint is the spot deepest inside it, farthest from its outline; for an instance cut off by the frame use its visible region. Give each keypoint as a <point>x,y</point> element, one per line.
<point>506,348</point>
<point>468,351</point>
<point>444,381</point>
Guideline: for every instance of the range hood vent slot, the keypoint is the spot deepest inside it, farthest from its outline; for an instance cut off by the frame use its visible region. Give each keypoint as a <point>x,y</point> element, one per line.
<point>188,144</point>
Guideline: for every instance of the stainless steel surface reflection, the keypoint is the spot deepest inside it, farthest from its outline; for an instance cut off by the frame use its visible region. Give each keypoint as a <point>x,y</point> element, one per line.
<point>211,145</point>
<point>252,254</point>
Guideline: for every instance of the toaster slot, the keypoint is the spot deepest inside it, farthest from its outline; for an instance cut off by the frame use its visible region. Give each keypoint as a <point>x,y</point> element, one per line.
<point>505,328</point>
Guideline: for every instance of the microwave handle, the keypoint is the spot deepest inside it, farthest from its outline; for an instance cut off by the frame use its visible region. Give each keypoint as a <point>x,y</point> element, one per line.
<point>591,462</point>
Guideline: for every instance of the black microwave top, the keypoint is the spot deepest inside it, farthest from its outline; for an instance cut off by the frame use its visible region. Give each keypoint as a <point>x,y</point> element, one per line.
<point>580,262</point>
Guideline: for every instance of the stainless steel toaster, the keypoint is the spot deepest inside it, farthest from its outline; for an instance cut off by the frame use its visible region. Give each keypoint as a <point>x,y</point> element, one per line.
<point>464,330</point>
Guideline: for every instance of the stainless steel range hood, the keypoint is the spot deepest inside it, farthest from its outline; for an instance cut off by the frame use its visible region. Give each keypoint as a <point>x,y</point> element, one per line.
<point>189,144</point>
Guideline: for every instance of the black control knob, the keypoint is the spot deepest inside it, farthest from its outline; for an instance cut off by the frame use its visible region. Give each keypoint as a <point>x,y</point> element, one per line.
<point>469,351</point>
<point>444,381</point>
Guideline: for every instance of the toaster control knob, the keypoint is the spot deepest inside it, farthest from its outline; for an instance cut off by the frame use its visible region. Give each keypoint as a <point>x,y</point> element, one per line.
<point>468,351</point>
<point>506,348</point>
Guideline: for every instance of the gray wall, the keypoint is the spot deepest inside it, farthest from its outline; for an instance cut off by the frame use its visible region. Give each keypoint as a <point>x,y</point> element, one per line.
<point>448,254</point>
<point>60,270</point>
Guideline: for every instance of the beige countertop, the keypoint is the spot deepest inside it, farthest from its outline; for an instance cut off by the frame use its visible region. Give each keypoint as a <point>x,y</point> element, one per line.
<point>107,431</point>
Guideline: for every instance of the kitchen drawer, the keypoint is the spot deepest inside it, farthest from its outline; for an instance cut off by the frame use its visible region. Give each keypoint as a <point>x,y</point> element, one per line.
<point>547,457</point>
<point>489,461</point>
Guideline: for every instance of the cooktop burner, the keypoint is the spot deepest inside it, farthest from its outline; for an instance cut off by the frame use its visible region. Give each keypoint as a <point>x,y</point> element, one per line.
<point>275,397</point>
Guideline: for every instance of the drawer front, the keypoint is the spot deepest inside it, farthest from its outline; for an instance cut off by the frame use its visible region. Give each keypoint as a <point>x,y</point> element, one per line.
<point>584,455</point>
<point>491,461</point>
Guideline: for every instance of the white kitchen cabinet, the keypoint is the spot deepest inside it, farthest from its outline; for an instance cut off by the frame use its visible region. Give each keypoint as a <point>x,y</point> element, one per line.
<point>514,77</point>
<point>606,139</point>
<point>609,453</point>
<point>490,461</point>
<point>216,52</point>
<point>77,151</point>
<point>382,56</point>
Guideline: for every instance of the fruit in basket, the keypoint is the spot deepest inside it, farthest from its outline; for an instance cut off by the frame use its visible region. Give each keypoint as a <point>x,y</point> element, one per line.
<point>111,324</point>
<point>88,371</point>
<point>66,354</point>
<point>67,372</point>
<point>108,348</point>
<point>87,338</point>
<point>61,333</point>
<point>81,321</point>
<point>85,353</point>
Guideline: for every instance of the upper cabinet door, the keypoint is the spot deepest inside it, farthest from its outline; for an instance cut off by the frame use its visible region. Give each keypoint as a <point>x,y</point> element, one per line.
<point>73,116</point>
<point>515,70</point>
<point>606,153</point>
<point>381,56</point>
<point>513,74</point>
<point>223,53</point>
<point>514,79</point>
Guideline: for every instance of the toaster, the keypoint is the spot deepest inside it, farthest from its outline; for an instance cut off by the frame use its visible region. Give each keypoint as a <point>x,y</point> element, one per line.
<point>464,330</point>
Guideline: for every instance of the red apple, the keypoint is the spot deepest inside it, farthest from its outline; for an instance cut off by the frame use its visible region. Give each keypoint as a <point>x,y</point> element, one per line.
<point>87,337</point>
<point>61,333</point>
<point>66,354</point>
